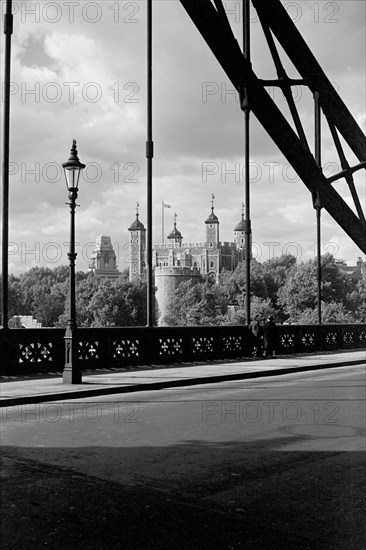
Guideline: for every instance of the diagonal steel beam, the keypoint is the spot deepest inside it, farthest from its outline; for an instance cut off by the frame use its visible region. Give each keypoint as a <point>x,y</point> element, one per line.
<point>227,51</point>
<point>273,14</point>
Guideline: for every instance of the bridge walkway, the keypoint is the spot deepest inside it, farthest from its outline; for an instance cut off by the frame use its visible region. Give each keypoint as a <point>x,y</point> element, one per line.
<point>42,388</point>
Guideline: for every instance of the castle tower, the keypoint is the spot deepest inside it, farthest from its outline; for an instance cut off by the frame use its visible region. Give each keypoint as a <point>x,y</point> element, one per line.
<point>175,236</point>
<point>103,258</point>
<point>167,280</point>
<point>137,258</point>
<point>212,227</point>
<point>239,232</point>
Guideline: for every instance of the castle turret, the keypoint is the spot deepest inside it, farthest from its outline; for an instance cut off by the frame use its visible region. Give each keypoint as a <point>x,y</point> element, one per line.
<point>239,232</point>
<point>137,258</point>
<point>212,228</point>
<point>175,236</point>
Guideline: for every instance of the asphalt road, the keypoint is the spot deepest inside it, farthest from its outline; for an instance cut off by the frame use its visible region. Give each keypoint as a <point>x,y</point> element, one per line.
<point>277,462</point>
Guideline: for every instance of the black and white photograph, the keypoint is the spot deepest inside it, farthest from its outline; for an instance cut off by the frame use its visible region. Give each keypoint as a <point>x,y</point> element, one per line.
<point>183,275</point>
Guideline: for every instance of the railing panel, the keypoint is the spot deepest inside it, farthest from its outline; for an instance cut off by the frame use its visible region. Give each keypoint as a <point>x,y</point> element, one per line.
<point>361,341</point>
<point>112,347</point>
<point>127,350</point>
<point>43,350</point>
<point>331,337</point>
<point>32,350</point>
<point>167,346</point>
<point>203,342</point>
<point>289,338</point>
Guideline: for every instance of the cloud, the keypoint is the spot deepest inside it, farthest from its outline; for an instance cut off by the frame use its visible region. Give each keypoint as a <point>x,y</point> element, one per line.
<point>80,72</point>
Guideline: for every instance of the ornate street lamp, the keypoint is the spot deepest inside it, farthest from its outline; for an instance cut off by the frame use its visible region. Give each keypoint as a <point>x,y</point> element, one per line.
<point>72,169</point>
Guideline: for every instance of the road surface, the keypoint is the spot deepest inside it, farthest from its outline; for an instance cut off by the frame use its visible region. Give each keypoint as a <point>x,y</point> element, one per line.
<point>277,462</point>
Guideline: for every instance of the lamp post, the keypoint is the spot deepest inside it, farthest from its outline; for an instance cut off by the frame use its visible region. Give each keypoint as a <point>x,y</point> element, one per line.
<point>72,169</point>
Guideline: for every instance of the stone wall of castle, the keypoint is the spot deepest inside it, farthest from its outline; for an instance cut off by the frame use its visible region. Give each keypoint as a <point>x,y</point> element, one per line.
<point>167,280</point>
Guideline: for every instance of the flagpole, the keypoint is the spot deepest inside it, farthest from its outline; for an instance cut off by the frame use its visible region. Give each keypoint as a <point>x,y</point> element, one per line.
<point>162,221</point>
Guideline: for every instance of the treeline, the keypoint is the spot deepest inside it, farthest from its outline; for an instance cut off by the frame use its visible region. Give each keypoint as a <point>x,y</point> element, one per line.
<point>281,287</point>
<point>100,302</point>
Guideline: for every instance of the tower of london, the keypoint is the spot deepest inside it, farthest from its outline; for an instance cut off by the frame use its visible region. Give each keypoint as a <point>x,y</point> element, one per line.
<point>176,261</point>
<point>173,261</point>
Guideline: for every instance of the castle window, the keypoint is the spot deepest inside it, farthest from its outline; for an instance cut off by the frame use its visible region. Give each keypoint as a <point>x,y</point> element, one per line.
<point>211,245</point>
<point>211,264</point>
<point>211,226</point>
<point>143,264</point>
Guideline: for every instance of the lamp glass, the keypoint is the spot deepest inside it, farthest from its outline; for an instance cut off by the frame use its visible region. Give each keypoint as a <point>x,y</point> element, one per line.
<point>72,175</point>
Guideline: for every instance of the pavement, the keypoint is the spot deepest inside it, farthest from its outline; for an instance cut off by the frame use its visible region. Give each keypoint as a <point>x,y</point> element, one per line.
<point>50,387</point>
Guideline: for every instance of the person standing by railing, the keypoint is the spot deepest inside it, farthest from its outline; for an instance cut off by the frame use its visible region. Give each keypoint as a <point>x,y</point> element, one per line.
<point>257,330</point>
<point>270,338</point>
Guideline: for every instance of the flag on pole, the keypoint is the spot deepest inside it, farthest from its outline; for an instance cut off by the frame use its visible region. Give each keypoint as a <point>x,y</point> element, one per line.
<point>163,205</point>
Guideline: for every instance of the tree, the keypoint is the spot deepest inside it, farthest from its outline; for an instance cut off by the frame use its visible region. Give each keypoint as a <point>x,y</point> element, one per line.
<point>235,282</point>
<point>102,302</point>
<point>39,292</point>
<point>265,281</point>
<point>332,312</point>
<point>14,296</point>
<point>357,301</point>
<point>336,285</point>
<point>299,292</point>
<point>108,307</point>
<point>276,271</point>
<point>136,300</point>
<point>197,303</point>
<point>258,306</point>
<point>118,303</point>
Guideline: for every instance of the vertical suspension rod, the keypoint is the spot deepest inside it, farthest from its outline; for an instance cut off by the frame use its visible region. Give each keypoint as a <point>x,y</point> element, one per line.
<point>317,151</point>
<point>8,31</point>
<point>149,156</point>
<point>246,109</point>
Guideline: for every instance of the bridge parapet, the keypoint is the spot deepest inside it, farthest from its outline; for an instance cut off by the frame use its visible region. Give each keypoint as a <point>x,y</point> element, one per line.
<point>27,351</point>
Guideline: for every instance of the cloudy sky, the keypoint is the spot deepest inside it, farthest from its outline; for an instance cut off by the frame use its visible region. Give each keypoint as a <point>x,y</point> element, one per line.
<point>79,71</point>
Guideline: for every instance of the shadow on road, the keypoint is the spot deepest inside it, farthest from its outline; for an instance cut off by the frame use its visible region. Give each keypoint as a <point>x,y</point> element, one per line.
<point>193,495</point>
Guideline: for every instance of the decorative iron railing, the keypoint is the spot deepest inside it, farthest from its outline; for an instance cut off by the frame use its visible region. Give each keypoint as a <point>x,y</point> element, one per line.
<point>43,350</point>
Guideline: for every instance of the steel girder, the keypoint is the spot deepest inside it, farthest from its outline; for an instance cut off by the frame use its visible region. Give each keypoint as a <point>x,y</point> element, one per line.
<point>213,26</point>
